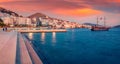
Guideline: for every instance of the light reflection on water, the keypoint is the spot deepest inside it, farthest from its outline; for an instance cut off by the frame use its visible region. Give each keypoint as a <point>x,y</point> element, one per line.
<point>43,38</point>
<point>53,38</point>
<point>30,35</point>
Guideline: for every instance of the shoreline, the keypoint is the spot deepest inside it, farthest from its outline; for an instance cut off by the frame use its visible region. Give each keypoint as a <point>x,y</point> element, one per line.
<point>34,30</point>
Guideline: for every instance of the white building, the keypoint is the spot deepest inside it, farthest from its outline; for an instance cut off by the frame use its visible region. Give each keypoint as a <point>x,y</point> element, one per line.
<point>12,20</point>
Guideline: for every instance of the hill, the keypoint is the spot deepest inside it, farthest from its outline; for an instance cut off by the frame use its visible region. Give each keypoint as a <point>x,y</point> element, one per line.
<point>117,26</point>
<point>91,24</point>
<point>9,12</point>
<point>36,15</point>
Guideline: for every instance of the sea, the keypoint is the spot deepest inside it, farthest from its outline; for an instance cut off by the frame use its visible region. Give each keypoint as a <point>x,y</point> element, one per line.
<point>77,46</point>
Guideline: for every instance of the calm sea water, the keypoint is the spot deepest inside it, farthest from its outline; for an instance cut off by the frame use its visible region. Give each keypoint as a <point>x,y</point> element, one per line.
<point>78,46</point>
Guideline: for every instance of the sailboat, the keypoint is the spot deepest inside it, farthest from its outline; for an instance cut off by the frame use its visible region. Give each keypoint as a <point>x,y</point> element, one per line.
<point>98,27</point>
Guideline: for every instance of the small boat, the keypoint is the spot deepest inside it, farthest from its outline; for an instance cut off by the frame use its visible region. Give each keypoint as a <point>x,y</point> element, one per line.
<point>99,27</point>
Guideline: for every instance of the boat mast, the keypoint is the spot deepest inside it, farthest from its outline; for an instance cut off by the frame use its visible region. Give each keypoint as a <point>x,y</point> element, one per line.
<point>104,21</point>
<point>97,21</point>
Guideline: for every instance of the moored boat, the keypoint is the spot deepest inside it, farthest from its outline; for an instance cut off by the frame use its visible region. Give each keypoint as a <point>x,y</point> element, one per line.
<point>100,28</point>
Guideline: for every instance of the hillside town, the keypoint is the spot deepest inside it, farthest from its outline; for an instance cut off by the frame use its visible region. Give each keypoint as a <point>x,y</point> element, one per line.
<point>12,19</point>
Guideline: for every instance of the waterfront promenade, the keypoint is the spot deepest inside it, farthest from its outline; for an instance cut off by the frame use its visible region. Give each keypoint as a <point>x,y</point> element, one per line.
<point>16,49</point>
<point>34,30</point>
<point>38,31</point>
<point>8,47</point>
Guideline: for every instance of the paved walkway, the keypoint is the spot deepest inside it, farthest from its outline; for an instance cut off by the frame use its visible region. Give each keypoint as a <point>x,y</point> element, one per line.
<point>15,50</point>
<point>8,47</point>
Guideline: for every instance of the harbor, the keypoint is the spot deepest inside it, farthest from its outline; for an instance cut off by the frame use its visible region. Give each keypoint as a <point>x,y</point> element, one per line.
<point>49,48</point>
<point>76,46</point>
<point>59,32</point>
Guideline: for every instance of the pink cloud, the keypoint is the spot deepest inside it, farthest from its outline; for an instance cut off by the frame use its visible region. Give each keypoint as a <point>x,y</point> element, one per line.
<point>66,9</point>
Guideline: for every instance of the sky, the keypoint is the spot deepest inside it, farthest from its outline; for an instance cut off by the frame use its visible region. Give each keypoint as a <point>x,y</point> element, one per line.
<point>81,11</point>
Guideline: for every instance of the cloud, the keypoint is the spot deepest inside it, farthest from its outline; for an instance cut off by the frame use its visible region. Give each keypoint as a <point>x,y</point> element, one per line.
<point>3,1</point>
<point>66,8</point>
<point>79,12</point>
<point>103,5</point>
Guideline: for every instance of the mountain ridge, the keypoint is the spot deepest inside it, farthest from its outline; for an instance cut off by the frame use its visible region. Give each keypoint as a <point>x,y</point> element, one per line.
<point>36,15</point>
<point>9,12</point>
<point>91,24</point>
<point>117,26</point>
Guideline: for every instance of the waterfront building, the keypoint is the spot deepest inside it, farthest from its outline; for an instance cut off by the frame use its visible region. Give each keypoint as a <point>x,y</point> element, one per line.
<point>12,20</point>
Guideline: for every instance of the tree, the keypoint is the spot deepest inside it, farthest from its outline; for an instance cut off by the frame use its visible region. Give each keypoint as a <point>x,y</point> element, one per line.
<point>1,20</point>
<point>1,23</point>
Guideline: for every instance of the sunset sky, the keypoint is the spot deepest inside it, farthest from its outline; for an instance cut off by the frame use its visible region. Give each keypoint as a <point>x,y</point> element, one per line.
<point>81,11</point>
